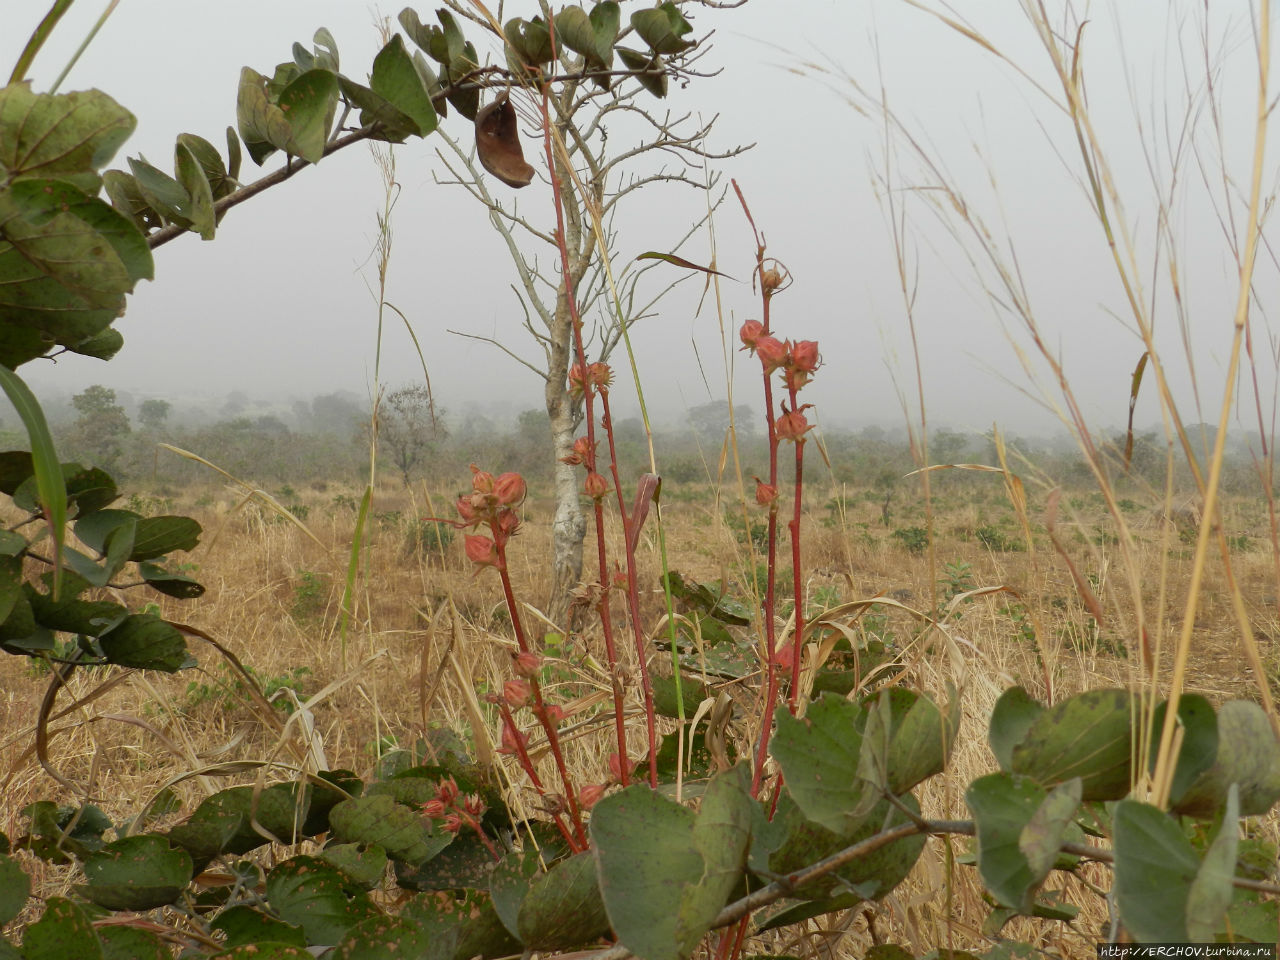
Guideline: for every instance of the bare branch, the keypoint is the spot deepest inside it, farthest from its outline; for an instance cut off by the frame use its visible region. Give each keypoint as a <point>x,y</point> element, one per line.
<point>498,343</point>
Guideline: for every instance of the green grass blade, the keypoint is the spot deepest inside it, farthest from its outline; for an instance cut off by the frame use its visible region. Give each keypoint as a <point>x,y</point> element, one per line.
<point>38,37</point>
<point>49,479</point>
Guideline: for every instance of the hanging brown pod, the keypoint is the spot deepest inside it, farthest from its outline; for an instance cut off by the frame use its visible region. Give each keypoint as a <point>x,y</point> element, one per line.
<point>498,143</point>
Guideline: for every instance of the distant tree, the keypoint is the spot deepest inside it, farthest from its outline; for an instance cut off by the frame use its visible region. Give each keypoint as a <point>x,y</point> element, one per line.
<point>338,413</point>
<point>237,402</point>
<point>409,428</point>
<point>153,413</point>
<point>102,426</point>
<point>711,420</point>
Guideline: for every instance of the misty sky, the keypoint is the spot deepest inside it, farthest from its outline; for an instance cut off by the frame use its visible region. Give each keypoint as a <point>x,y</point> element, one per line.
<point>279,304</point>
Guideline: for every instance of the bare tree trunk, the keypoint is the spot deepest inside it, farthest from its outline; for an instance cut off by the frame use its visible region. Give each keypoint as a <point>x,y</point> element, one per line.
<point>569,527</point>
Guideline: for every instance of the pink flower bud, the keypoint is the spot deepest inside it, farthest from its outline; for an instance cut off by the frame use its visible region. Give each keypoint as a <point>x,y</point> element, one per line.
<point>792,425</point>
<point>467,511</point>
<point>447,791</point>
<point>596,486</point>
<point>474,805</point>
<point>616,766</point>
<point>772,353</point>
<point>750,333</point>
<point>512,740</point>
<point>785,657</point>
<point>804,355</point>
<point>516,693</point>
<point>434,809</point>
<point>528,664</point>
<point>483,551</point>
<point>600,375</point>
<point>452,822</point>
<point>481,480</point>
<point>553,713</point>
<point>507,524</point>
<point>766,493</point>
<point>590,795</point>
<point>511,489</point>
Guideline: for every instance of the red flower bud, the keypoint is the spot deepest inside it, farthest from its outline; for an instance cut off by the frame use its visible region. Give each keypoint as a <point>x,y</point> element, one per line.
<point>553,713</point>
<point>792,425</point>
<point>590,795</point>
<point>483,551</point>
<point>452,822</point>
<point>600,375</point>
<point>511,489</point>
<point>474,805</point>
<point>772,353</point>
<point>434,809</point>
<point>766,493</point>
<point>750,333</point>
<point>516,693</point>
<point>596,486</point>
<point>528,664</point>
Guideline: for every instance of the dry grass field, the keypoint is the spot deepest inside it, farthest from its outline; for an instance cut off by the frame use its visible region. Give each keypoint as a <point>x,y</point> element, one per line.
<point>274,598</point>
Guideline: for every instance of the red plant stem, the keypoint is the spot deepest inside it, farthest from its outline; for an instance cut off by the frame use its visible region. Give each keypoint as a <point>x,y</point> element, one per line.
<point>798,636</point>
<point>474,824</point>
<point>633,597</point>
<point>611,650</point>
<point>526,763</point>
<point>770,595</point>
<point>540,711</point>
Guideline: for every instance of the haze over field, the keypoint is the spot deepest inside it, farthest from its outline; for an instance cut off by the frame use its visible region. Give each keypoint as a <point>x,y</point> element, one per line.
<point>279,306</point>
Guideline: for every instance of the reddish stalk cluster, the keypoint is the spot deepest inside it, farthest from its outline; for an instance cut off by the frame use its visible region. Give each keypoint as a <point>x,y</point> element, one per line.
<point>456,812</point>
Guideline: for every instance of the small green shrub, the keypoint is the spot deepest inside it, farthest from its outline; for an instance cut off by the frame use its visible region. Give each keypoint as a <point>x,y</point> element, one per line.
<point>993,538</point>
<point>427,538</point>
<point>310,595</point>
<point>748,532</point>
<point>912,539</point>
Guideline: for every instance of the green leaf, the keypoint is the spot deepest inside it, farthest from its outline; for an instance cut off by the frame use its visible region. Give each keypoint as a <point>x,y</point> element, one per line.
<point>127,198</point>
<point>1211,891</point>
<point>1019,831</point>
<point>1011,718</point>
<point>802,843</point>
<point>42,202</point>
<point>563,908</point>
<point>665,873</point>
<point>1199,743</point>
<point>1089,736</point>
<point>132,943</point>
<point>395,126</point>
<point>392,938</point>
<point>262,125</point>
<point>157,536</point>
<point>468,920</point>
<point>15,887</point>
<point>652,71</point>
<point>663,28</point>
<point>67,136</point>
<point>397,81</point>
<point>199,191</point>
<point>91,618</point>
<point>920,736</point>
<point>265,950</point>
<point>163,193</point>
<point>1248,755</point>
<point>667,704</point>
<point>307,105</point>
<point>820,757</point>
<point>591,35</point>
<point>308,893</point>
<point>242,924</point>
<point>95,530</point>
<point>137,873</point>
<point>15,468</point>
<point>402,832</point>
<point>365,866</point>
<point>147,642</point>
<point>530,39</point>
<point>101,346</point>
<point>221,183</point>
<point>44,459</point>
<point>170,584</point>
<point>89,489</point>
<point>1154,868</point>
<point>62,933</point>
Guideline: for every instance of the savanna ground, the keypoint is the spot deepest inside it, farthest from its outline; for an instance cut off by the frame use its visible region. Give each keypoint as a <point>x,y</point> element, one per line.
<point>274,599</point>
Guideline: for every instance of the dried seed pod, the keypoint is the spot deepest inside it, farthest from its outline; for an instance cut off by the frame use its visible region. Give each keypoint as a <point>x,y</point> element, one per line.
<point>498,143</point>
